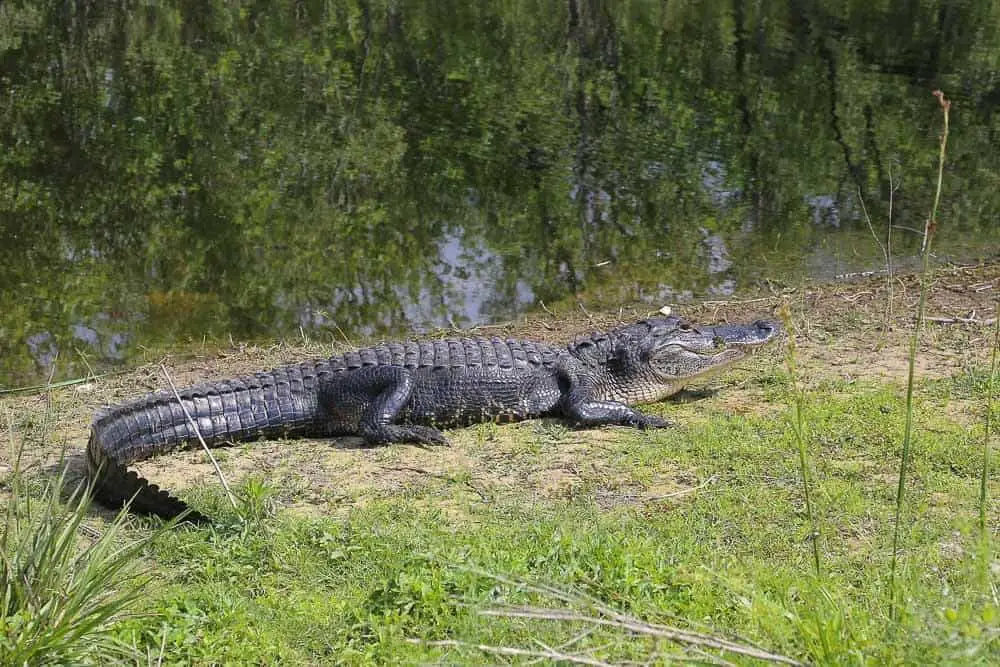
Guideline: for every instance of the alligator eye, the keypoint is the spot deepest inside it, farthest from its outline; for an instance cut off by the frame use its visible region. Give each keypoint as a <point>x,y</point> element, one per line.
<point>719,343</point>
<point>684,326</point>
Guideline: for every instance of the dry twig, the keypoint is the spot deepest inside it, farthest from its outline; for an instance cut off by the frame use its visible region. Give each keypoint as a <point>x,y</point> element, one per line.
<point>961,320</point>
<point>684,492</point>
<point>197,432</point>
<point>609,617</point>
<point>512,651</point>
<point>616,620</point>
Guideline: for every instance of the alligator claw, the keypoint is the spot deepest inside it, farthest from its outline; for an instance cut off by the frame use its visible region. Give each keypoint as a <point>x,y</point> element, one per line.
<point>427,435</point>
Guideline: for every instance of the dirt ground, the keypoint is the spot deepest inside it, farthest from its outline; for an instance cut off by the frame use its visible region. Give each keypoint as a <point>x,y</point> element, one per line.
<point>840,331</point>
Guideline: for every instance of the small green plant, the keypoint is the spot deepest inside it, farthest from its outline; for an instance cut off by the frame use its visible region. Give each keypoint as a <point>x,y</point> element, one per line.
<point>258,500</point>
<point>63,585</point>
<point>984,533</point>
<point>61,595</point>
<point>798,429</point>
<point>486,432</point>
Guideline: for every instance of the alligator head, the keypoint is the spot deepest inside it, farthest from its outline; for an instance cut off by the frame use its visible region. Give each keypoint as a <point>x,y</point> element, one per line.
<point>657,357</point>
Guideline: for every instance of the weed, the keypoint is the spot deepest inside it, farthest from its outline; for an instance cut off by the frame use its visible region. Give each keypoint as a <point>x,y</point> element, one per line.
<point>798,429</point>
<point>984,533</point>
<point>60,596</point>
<point>930,229</point>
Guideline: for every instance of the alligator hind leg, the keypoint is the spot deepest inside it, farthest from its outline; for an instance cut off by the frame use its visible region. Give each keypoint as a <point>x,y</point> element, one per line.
<point>390,388</point>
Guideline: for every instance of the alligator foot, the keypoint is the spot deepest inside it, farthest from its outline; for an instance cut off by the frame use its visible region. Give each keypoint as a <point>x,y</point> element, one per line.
<point>421,435</point>
<point>644,422</point>
<point>601,413</point>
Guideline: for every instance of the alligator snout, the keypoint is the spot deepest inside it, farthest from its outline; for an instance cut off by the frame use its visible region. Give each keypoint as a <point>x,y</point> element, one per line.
<point>748,335</point>
<point>762,332</point>
<point>767,328</point>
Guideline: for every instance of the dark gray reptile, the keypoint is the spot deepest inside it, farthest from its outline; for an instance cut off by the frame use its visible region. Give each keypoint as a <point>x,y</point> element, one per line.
<point>404,392</point>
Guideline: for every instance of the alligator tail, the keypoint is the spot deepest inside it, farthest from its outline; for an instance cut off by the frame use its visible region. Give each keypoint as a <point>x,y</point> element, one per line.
<point>274,404</point>
<point>114,485</point>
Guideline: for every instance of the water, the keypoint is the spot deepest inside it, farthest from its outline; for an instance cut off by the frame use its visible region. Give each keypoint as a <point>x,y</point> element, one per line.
<point>187,171</point>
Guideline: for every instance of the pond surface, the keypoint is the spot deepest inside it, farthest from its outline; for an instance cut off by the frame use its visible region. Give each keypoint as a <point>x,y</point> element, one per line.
<point>187,171</point>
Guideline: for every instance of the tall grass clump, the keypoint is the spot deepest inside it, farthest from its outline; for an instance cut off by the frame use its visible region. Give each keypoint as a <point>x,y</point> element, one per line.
<point>798,430</point>
<point>930,227</point>
<point>61,592</point>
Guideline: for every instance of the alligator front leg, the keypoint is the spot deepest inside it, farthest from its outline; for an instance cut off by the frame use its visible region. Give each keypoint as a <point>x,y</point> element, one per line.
<point>586,411</point>
<point>390,387</point>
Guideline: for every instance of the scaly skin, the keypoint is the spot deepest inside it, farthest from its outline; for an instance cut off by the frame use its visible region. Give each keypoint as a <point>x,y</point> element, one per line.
<point>405,392</point>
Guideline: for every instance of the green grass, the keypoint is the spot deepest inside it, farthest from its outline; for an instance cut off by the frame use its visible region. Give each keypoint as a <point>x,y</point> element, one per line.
<point>702,528</point>
<point>732,558</point>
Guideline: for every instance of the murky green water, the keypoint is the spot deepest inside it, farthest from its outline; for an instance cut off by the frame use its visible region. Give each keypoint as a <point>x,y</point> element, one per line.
<point>177,171</point>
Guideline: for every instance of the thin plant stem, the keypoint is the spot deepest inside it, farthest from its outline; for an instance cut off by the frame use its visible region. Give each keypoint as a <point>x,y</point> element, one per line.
<point>204,445</point>
<point>888,247</point>
<point>930,227</point>
<point>885,254</point>
<point>798,429</point>
<point>990,394</point>
<point>56,385</point>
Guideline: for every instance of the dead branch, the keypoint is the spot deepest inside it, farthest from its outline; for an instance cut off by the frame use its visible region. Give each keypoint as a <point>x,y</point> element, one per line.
<point>512,651</point>
<point>641,627</point>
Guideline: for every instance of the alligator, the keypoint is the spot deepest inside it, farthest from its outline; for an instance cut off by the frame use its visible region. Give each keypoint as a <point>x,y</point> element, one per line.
<point>404,392</point>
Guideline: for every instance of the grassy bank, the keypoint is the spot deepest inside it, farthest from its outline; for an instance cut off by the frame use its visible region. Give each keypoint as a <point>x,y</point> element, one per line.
<point>409,556</point>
